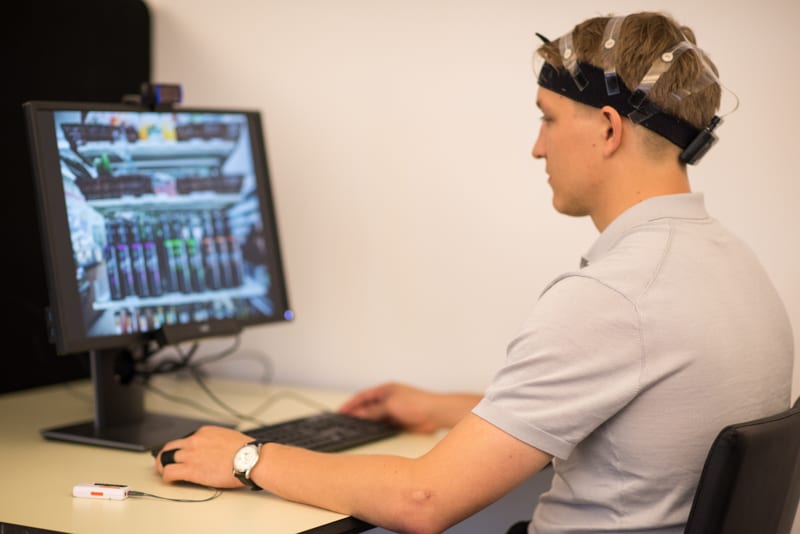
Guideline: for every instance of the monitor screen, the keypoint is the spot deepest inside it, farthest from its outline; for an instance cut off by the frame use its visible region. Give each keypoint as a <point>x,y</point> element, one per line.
<point>154,218</point>
<point>152,221</point>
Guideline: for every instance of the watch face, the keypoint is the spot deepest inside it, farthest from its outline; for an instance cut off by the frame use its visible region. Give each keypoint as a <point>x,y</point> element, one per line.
<point>245,458</point>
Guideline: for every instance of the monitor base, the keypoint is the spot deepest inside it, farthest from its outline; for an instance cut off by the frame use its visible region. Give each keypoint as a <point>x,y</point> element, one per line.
<point>152,431</point>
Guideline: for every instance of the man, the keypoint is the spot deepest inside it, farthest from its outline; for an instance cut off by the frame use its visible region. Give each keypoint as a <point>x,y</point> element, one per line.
<point>626,368</point>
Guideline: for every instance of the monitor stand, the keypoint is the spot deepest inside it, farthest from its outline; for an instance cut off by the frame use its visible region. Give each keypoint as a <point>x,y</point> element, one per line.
<point>121,421</point>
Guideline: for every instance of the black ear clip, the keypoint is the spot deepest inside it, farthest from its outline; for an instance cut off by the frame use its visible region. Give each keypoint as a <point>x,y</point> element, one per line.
<point>544,39</point>
<point>700,144</point>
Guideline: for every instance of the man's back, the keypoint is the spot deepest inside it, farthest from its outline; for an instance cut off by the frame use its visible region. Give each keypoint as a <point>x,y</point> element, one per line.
<point>671,331</point>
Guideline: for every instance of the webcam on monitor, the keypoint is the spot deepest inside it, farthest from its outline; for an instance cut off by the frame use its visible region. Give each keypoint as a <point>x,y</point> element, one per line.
<point>156,96</point>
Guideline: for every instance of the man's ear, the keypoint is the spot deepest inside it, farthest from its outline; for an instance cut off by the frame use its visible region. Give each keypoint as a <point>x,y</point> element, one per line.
<point>613,136</point>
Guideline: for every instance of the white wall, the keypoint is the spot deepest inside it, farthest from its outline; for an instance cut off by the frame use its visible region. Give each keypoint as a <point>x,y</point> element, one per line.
<point>417,230</point>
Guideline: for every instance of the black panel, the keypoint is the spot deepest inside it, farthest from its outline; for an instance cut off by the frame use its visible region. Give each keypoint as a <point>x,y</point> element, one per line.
<point>85,50</point>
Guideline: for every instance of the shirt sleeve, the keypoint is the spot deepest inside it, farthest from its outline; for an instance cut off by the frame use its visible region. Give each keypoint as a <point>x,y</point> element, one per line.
<point>576,362</point>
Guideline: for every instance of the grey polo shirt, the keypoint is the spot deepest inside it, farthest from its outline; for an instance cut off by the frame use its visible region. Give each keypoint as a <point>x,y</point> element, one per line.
<point>626,369</point>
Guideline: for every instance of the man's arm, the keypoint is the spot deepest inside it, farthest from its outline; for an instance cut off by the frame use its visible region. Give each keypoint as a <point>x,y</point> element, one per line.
<point>472,466</point>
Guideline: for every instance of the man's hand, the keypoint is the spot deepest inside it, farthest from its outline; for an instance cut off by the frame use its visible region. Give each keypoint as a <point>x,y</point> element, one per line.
<point>205,457</point>
<point>411,408</point>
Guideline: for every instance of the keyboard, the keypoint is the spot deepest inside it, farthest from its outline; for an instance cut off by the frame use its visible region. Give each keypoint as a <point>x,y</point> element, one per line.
<point>324,432</point>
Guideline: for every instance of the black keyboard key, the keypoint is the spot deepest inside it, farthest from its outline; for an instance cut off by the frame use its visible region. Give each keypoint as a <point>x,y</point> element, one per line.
<point>324,432</point>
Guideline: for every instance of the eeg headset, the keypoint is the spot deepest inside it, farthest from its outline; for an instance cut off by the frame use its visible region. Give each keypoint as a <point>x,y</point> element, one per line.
<point>598,87</point>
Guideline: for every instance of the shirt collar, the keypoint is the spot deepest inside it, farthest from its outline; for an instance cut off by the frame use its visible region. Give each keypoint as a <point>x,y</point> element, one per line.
<point>681,206</point>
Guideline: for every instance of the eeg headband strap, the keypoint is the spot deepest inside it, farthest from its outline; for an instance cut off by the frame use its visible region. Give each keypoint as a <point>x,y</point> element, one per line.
<point>594,94</point>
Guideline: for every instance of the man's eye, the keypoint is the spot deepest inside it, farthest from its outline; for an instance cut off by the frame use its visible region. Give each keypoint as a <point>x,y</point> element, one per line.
<point>546,118</point>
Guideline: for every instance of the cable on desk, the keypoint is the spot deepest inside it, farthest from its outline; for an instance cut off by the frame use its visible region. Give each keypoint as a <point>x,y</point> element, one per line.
<point>185,401</point>
<point>251,417</point>
<point>134,493</point>
<point>270,400</point>
<point>216,357</point>
<point>184,362</point>
<point>275,397</point>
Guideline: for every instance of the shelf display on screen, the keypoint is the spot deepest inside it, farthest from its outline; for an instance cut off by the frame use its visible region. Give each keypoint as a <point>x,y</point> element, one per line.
<point>168,216</point>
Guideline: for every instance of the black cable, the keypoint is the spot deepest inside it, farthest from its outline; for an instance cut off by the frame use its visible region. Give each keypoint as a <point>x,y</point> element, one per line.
<point>224,354</point>
<point>219,402</point>
<point>133,493</point>
<point>251,417</point>
<point>168,366</point>
<point>183,400</point>
<point>184,362</point>
<point>275,397</point>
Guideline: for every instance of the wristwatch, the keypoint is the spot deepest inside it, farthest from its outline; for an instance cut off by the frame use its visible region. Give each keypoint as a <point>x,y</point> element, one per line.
<point>244,461</point>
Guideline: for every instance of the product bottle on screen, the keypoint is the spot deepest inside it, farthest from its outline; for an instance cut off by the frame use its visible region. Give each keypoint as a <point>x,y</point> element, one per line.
<point>124,260</point>
<point>152,264</point>
<point>193,234</point>
<point>222,247</point>
<point>110,257</point>
<point>210,254</point>
<point>170,261</point>
<point>137,259</point>
<point>235,252</point>
<point>181,257</point>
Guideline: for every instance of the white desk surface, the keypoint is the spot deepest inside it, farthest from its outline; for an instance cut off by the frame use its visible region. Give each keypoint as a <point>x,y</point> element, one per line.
<point>38,475</point>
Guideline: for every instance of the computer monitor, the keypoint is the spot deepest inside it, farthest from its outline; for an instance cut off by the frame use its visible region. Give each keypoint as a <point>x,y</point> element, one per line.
<point>156,225</point>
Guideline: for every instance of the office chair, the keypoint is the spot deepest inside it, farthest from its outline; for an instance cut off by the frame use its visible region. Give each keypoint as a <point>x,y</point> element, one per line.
<point>750,483</point>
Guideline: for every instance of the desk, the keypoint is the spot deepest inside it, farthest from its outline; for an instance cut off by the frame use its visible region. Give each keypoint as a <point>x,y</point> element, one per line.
<point>37,475</point>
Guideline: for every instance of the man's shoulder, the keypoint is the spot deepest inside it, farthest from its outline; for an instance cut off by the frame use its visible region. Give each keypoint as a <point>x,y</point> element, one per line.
<point>627,267</point>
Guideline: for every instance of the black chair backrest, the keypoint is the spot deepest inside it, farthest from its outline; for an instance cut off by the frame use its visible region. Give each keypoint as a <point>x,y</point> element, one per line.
<point>750,482</point>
